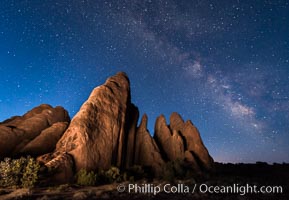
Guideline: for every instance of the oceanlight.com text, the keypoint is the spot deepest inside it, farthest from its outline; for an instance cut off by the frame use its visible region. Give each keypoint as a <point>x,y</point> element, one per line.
<point>200,188</point>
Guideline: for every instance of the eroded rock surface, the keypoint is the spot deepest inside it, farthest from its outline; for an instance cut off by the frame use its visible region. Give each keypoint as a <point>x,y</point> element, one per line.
<point>146,150</point>
<point>46,141</point>
<point>181,141</point>
<point>192,140</point>
<point>96,134</point>
<point>18,134</point>
<point>169,141</point>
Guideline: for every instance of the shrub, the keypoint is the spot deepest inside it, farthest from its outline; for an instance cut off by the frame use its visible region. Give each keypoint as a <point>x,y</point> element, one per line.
<point>174,170</point>
<point>18,172</point>
<point>85,178</point>
<point>111,175</point>
<point>7,176</point>
<point>30,173</point>
<point>136,172</point>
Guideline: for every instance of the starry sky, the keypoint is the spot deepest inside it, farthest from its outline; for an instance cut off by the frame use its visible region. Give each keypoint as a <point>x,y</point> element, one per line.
<point>223,64</point>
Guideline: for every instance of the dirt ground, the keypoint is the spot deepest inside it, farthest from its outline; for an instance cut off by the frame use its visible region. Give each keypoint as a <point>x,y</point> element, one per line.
<point>240,177</point>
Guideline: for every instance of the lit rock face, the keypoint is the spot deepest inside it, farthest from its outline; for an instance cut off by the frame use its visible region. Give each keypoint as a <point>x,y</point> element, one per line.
<point>96,134</point>
<point>169,141</point>
<point>181,141</point>
<point>27,133</point>
<point>146,150</point>
<point>46,141</point>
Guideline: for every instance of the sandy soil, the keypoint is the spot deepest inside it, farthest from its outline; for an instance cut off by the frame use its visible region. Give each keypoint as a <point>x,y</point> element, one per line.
<point>226,175</point>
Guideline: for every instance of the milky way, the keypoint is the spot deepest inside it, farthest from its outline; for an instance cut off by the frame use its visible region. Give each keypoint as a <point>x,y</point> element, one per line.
<point>222,64</point>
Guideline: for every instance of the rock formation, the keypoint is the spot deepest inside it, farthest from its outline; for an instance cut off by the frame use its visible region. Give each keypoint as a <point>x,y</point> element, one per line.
<point>181,140</point>
<point>102,134</point>
<point>46,141</point>
<point>146,151</point>
<point>27,133</point>
<point>96,134</point>
<point>169,141</point>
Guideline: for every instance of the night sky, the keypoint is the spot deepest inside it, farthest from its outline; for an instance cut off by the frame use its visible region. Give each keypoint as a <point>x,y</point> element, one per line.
<point>222,64</point>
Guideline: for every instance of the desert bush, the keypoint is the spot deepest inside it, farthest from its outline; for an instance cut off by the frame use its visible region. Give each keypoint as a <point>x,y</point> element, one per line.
<point>85,178</point>
<point>136,172</point>
<point>30,173</point>
<point>91,178</point>
<point>174,170</point>
<point>8,178</point>
<point>18,172</point>
<point>110,176</point>
<point>113,174</point>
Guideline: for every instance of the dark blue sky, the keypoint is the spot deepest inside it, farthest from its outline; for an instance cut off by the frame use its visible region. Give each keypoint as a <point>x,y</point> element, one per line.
<point>222,64</point>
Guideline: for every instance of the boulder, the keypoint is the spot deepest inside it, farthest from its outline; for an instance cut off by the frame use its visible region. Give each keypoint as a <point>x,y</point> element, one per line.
<point>17,132</point>
<point>57,168</point>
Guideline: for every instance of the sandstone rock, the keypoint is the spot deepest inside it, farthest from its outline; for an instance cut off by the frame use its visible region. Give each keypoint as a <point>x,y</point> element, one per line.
<point>195,144</point>
<point>162,137</point>
<point>178,146</point>
<point>17,132</point>
<point>147,152</point>
<point>176,122</point>
<point>46,141</point>
<point>171,144</point>
<point>96,134</point>
<point>181,141</point>
<point>8,140</point>
<point>102,134</point>
<point>192,141</point>
<point>59,167</point>
<point>191,161</point>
